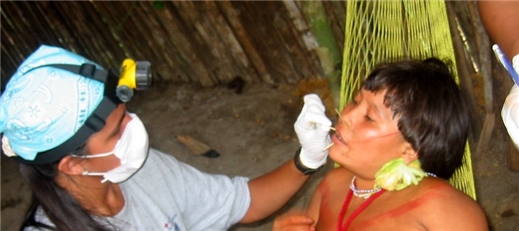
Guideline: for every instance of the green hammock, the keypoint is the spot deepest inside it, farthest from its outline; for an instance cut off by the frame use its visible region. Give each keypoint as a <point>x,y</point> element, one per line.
<point>378,31</point>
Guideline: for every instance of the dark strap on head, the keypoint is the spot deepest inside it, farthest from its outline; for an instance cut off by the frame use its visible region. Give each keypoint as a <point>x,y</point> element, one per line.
<point>86,69</point>
<point>94,123</point>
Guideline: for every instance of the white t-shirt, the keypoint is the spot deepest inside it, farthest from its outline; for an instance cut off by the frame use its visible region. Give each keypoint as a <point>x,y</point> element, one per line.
<point>166,194</point>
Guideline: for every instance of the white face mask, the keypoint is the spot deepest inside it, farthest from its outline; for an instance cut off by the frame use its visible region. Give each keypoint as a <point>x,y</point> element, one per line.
<point>131,149</point>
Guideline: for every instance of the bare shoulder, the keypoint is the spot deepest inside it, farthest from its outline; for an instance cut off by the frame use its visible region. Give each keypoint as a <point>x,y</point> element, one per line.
<point>333,181</point>
<point>449,208</point>
<point>335,178</point>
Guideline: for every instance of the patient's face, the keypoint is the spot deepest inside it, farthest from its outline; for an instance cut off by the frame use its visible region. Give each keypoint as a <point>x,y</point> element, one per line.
<point>367,135</point>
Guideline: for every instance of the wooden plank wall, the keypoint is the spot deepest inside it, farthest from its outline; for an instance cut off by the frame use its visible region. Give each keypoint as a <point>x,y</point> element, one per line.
<point>213,42</point>
<point>206,42</point>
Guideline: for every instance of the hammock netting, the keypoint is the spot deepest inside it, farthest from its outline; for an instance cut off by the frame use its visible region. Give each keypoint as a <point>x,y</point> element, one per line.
<point>379,31</point>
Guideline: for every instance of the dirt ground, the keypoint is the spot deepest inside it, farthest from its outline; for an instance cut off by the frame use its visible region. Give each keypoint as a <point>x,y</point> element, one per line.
<point>253,132</point>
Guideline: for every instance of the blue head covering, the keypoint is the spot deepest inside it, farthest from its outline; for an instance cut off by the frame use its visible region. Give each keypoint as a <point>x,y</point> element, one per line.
<point>42,107</point>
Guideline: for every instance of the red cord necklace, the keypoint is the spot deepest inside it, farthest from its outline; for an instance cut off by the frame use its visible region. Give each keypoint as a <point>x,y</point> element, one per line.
<point>356,213</point>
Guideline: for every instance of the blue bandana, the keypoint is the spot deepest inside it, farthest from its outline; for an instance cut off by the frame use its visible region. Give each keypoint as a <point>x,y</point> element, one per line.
<point>42,107</point>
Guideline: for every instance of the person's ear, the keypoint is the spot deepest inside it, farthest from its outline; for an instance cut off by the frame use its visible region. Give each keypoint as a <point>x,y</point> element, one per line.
<point>70,165</point>
<point>409,153</point>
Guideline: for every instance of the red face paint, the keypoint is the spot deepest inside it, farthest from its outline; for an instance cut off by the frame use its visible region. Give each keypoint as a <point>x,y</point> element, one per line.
<point>374,138</point>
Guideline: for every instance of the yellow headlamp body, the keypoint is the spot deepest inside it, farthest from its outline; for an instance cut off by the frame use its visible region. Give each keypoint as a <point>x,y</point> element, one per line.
<point>127,77</point>
<point>134,75</point>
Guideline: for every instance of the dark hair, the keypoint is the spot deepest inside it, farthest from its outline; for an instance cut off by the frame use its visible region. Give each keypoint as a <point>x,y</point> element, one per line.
<point>60,207</point>
<point>434,114</point>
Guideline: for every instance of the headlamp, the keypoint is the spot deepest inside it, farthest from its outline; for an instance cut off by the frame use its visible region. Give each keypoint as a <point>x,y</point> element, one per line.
<point>134,75</point>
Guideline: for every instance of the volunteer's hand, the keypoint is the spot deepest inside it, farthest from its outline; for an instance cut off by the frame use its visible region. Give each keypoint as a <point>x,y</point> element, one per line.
<point>293,222</point>
<point>312,128</point>
<point>510,111</point>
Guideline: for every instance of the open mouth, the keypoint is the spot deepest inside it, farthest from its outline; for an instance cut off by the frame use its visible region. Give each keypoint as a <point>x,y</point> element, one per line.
<point>338,139</point>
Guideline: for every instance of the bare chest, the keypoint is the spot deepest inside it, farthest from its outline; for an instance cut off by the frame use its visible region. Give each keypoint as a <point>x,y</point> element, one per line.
<point>382,213</point>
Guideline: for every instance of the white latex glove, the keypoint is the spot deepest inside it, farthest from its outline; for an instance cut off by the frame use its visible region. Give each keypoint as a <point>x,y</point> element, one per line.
<point>510,111</point>
<point>312,128</point>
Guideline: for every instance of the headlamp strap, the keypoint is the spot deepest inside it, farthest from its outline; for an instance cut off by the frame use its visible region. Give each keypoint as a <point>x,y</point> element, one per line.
<point>94,123</point>
<point>86,69</point>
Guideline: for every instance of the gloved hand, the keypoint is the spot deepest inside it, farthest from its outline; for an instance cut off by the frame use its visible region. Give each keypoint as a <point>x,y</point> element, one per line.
<point>510,111</point>
<point>312,128</point>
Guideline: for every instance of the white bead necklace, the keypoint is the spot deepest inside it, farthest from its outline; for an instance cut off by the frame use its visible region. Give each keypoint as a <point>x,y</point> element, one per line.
<point>362,193</point>
<point>368,193</point>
